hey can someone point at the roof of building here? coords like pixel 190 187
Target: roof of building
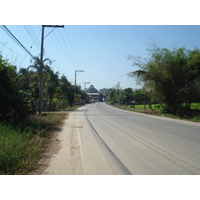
pixel 93 93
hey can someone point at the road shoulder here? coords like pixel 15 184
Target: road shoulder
pixel 63 154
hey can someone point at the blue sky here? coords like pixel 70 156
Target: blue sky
pixel 100 50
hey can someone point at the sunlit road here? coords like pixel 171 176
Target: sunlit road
pixel 121 142
pixel 100 139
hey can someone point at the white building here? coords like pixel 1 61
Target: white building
pixel 94 96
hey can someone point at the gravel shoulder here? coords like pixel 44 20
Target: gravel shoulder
pixel 62 157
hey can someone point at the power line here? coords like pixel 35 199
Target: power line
pixel 64 51
pixel 12 51
pixel 72 47
pixel 23 58
pixel 32 35
pixel 74 63
pixel 35 36
pixel 63 71
pixel 68 48
pixel 35 39
pixel 16 40
pixel 75 54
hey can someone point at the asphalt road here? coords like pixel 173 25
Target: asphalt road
pixel 104 140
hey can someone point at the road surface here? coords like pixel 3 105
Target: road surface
pixel 99 139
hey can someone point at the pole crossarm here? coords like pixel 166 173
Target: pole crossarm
pixel 79 70
pixel 54 26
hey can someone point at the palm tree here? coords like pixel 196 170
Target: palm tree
pixel 50 86
pixel 44 67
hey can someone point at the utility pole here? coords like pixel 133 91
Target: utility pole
pixel 41 65
pixel 85 84
pixel 84 88
pixel 75 84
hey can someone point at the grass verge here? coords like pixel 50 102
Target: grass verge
pixel 156 111
pixel 22 142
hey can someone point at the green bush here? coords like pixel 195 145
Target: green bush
pixel 13 149
pixel 20 146
pixel 23 141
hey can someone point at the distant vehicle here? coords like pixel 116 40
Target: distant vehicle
pixel 92 101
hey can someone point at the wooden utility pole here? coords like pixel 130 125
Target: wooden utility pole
pixel 84 89
pixel 75 85
pixel 41 65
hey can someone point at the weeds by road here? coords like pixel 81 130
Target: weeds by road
pixel 22 142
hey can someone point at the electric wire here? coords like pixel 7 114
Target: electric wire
pixel 23 58
pixel 33 37
pixel 16 40
pixel 75 53
pixel 75 64
pixel 64 51
pixel 37 42
pixel 13 51
pixel 68 48
pixel 64 72
pixel 72 48
pixel 30 36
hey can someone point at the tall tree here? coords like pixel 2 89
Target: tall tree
pixel 50 86
pixel 27 85
pixel 65 90
pixel 45 70
pixel 11 101
pixel 172 77
pixel 45 67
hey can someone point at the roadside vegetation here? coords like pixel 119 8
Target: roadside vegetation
pixel 19 90
pixel 156 109
pixel 22 142
pixel 23 134
pixel 170 82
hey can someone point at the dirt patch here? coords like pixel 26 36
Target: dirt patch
pixel 52 148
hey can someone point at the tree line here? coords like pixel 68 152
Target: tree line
pixel 168 77
pixel 127 96
pixel 19 90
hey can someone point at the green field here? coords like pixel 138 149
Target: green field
pixel 158 106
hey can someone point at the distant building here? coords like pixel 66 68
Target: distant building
pixel 94 97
